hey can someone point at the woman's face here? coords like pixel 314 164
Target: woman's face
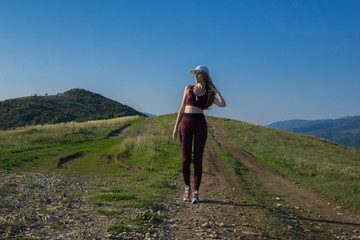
pixel 199 78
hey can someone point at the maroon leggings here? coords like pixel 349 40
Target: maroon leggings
pixel 193 126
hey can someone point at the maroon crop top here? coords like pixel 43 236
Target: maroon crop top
pixel 196 101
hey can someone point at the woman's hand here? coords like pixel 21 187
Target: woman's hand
pixel 175 133
pixel 213 89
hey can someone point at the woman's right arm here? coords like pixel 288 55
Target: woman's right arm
pixel 181 112
pixel 218 99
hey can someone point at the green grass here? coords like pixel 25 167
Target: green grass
pixel 7 188
pixel 25 147
pixel 140 164
pixel 324 167
pixel 14 227
pixel 137 168
pixel 113 197
pixel 118 228
pixel 147 217
pixel 35 137
pixel 110 213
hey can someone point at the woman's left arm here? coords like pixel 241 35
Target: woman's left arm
pixel 218 99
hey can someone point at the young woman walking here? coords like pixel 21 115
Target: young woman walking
pixel 196 99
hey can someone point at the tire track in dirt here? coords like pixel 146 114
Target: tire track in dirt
pixel 221 214
pixel 319 210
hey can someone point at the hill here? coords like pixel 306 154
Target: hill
pixel 130 186
pixel 345 131
pixel 73 105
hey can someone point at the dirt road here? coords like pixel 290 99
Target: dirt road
pixel 221 213
pixel 224 214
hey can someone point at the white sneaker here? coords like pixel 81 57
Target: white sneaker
pixel 195 198
pixel 187 194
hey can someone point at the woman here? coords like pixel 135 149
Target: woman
pixel 196 99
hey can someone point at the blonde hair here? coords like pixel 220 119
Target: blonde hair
pixel 208 83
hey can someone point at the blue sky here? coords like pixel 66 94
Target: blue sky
pixel 271 60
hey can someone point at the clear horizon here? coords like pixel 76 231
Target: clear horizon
pixel 271 60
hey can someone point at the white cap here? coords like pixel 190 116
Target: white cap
pixel 200 68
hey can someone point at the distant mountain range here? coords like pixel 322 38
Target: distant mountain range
pixel 149 114
pixel 345 131
pixel 74 105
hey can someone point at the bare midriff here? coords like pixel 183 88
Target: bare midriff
pixel 193 109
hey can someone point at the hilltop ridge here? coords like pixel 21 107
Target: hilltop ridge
pixel 73 105
pixel 345 130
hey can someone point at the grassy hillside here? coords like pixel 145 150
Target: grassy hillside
pixel 324 167
pixel 74 105
pixel 142 162
pixel 41 148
